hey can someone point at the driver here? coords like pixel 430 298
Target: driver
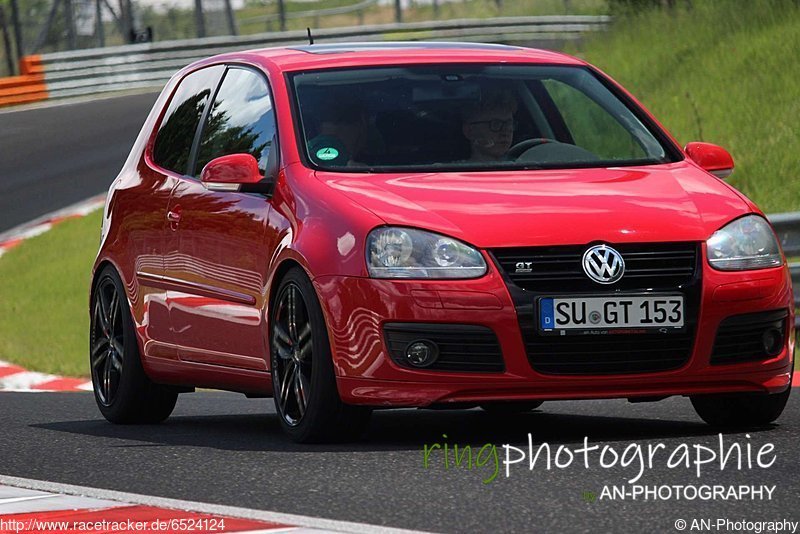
pixel 343 132
pixel 489 126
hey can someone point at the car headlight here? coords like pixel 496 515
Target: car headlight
pixel 746 243
pixel 394 252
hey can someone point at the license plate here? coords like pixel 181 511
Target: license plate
pixel 657 312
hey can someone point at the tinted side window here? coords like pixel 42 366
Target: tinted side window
pixel 241 120
pixel 176 133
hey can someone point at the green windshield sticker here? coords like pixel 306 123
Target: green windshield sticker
pixel 327 153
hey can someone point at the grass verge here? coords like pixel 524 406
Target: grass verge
pixel 44 295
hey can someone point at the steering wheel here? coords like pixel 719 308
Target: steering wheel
pixel 517 150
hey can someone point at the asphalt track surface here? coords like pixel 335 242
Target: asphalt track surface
pixel 51 157
pixel 222 448
pixel 225 449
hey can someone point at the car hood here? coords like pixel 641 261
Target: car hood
pixel 671 202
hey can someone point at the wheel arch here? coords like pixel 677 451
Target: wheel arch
pixel 284 266
pixel 99 268
pixel 280 271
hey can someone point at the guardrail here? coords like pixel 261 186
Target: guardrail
pixel 787 226
pixel 97 70
pixel 29 86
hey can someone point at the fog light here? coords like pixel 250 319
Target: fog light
pixel 772 340
pixel 421 353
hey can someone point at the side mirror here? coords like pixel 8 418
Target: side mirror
pixel 712 158
pixel 235 172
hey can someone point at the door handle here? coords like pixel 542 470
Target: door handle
pixel 174 215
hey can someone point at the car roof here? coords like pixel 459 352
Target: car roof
pixel 340 48
pixel 348 54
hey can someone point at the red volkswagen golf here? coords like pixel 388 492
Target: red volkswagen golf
pixel 356 226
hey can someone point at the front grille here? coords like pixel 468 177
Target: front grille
pixel 557 272
pixel 651 265
pixel 740 338
pixel 461 347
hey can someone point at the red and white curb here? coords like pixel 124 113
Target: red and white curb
pixel 13 377
pixel 11 238
pixel 28 505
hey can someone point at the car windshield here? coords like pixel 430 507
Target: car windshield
pixel 478 117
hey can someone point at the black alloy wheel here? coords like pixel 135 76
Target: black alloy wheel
pixel 123 391
pixel 304 384
pixel 107 338
pixel 294 350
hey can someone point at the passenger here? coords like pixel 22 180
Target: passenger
pixel 489 126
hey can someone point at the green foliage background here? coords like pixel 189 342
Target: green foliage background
pixel 722 71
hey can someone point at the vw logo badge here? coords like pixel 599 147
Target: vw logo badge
pixel 603 264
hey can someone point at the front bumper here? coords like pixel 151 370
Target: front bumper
pixel 357 309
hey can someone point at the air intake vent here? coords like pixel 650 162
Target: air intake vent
pixel 459 347
pixel 750 337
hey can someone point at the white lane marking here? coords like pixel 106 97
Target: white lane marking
pixel 7 492
pixel 79 208
pixel 27 233
pixel 216 509
pixel 23 499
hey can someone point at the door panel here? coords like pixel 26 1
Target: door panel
pixel 217 276
pixel 218 266
pixel 145 205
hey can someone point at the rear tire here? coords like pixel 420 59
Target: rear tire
pixel 510 408
pixel 306 399
pixel 122 390
pixel 740 410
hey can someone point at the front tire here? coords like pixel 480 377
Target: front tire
pixel 306 399
pixel 122 390
pixel 740 410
